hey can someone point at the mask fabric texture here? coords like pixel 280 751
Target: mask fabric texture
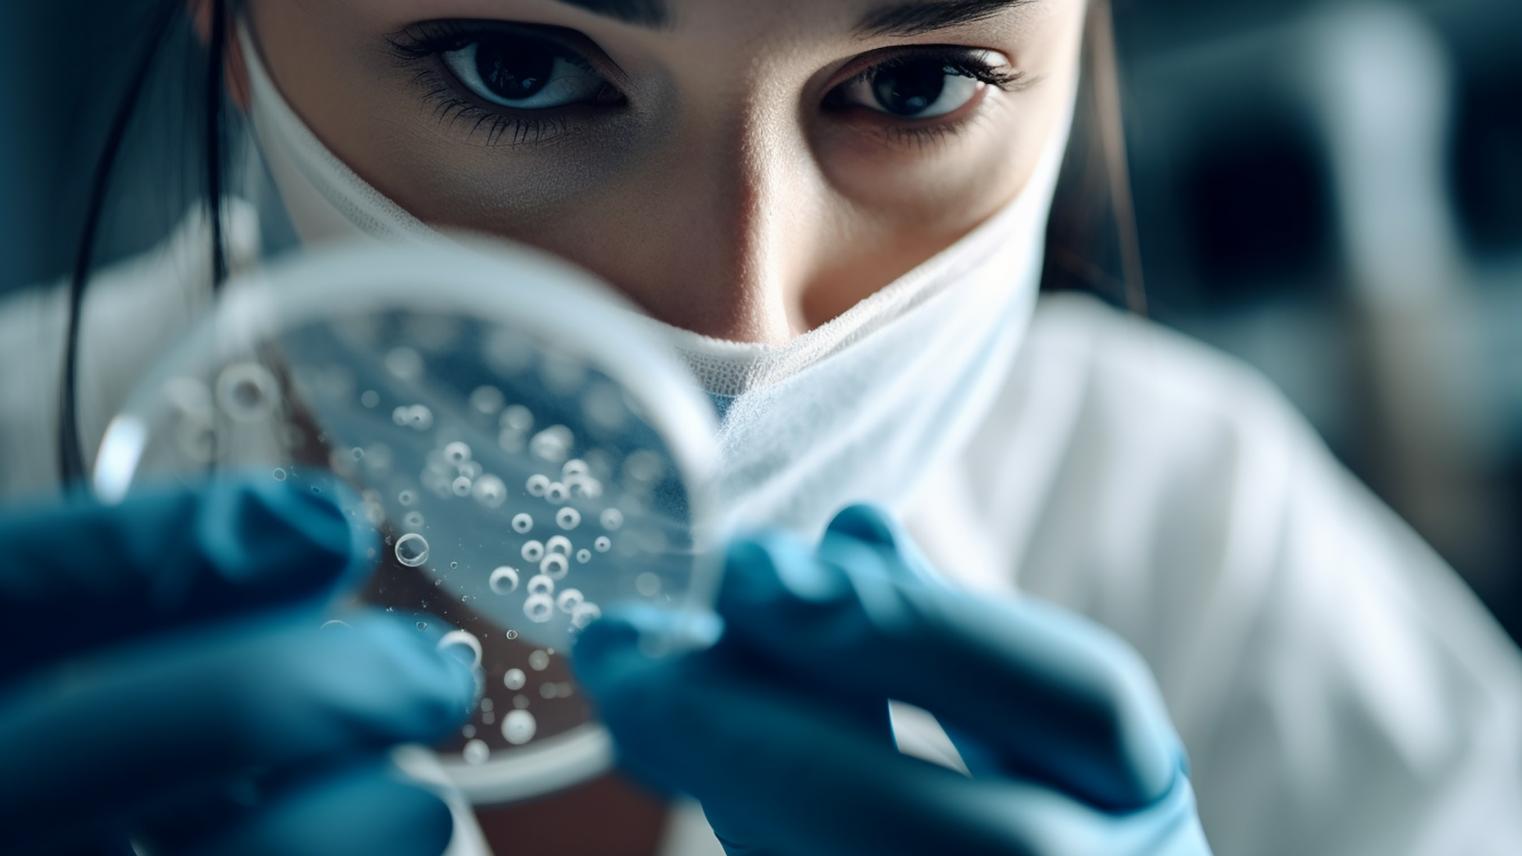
pixel 859 409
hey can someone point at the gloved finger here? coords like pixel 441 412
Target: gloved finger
pixel 1053 696
pixel 871 525
pixel 363 809
pixel 780 771
pixel 762 759
pixel 900 557
pixel 137 728
pixel 80 574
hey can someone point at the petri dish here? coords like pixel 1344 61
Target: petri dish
pixel 524 448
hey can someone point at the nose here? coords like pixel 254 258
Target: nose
pixel 734 224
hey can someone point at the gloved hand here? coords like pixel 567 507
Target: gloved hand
pixel 778 727
pixel 165 678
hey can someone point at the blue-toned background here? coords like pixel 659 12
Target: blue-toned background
pixel 1332 190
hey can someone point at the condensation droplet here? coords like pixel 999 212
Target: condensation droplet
pixel 532 551
pixel 585 486
pixel 490 491
pixel 583 555
pixel 539 608
pixel 612 519
pixel 413 520
pixel 504 580
pixel 552 444
pixel 644 466
pixel 456 453
pixel 518 727
pixel 568 518
pixel 404 363
pixel 647 584
pixel 603 544
pixel 476 752
pixel 569 600
pixel 412 549
pixel 538 484
pixel 557 493
pixel 585 614
pixel 463 639
pixel 406 497
pixel 541 585
pixel 523 524
pixel 486 400
pixel 539 660
pixel 558 544
pixel 516 418
pixel 554 566
pixel 460 486
pixel 514 679
pixel 280 474
pixel 247 392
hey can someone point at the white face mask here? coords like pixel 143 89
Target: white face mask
pixel 859 409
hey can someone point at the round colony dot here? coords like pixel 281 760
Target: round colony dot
pixel 554 566
pixel 540 585
pixel 518 727
pixel 538 608
pixel 504 580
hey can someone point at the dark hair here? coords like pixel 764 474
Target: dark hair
pixel 161 21
pixel 1092 227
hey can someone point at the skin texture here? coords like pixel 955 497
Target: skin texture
pixel 723 197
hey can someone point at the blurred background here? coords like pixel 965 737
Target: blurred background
pixel 1331 190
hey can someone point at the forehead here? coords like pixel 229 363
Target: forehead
pixel 862 19
pixel 867 17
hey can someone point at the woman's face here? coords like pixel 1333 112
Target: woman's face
pixel 739 168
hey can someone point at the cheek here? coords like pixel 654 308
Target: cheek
pixel 957 175
pixel 510 193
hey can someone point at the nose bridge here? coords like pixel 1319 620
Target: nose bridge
pixel 750 198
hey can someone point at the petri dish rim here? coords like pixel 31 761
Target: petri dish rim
pixel 489 278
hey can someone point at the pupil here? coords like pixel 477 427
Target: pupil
pixel 910 89
pixel 514 69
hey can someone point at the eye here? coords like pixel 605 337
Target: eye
pixel 525 73
pixel 924 86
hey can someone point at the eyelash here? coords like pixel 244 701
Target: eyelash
pixel 422 45
pixel 927 133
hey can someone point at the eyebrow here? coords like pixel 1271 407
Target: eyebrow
pixel 652 14
pixel 899 20
pixel 904 20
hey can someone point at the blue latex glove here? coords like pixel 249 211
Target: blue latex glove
pixel 165 677
pixel 777 728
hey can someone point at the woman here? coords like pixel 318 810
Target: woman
pixel 835 210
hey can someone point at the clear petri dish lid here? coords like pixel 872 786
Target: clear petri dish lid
pixel 525 450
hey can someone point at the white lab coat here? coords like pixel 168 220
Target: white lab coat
pixel 1338 688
